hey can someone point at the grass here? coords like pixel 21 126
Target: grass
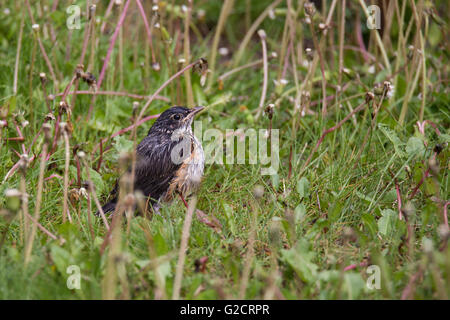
pixel 363 181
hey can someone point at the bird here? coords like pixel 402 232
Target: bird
pixel 169 160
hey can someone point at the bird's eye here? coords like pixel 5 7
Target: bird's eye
pixel 176 117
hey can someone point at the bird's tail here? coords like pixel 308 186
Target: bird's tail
pixel 108 208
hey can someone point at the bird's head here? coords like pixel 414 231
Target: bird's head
pixel 175 118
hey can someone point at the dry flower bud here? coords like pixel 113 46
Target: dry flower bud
pixel 156 66
pixel 258 191
pixel 369 96
pixel 223 51
pixel 310 8
pixel 23 163
pixel 261 33
pixel 49 117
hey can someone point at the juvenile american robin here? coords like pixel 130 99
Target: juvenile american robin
pixel 169 160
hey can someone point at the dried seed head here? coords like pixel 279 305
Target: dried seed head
pixel 156 66
pixel 201 67
pixel 224 51
pixel 43 77
pixel 83 192
pixel 258 191
pixel 49 117
pixel 81 154
pixel 135 107
pixel 410 53
pixel 369 96
pixel 79 70
pixel 389 89
pixel 310 8
pixel 90 79
pixel 129 200
pixel 262 34
pixel 23 163
pixel 201 14
pixel 269 110
pixel 74 196
pixel 92 9
pixel 63 107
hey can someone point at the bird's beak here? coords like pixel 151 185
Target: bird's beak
pixel 197 110
pixel 194 111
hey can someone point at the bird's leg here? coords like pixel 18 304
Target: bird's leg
pixel 182 199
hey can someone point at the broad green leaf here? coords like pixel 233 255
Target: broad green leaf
pixel 299 213
pixel 300 260
pixel 415 146
pixel 303 187
pixel 387 222
pixel 370 223
pixel 391 135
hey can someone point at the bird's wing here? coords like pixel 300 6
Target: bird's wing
pixel 154 167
